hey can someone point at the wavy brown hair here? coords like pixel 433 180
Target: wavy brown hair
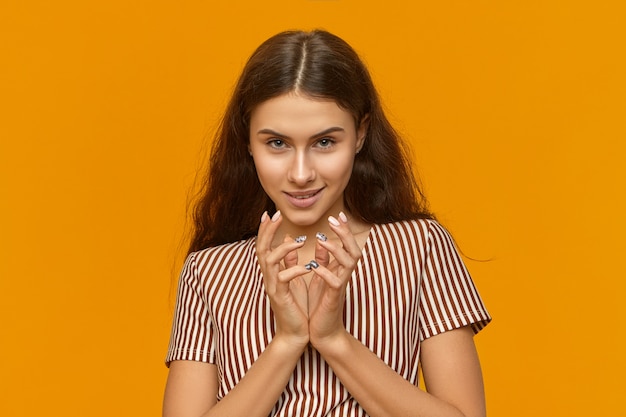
pixel 382 187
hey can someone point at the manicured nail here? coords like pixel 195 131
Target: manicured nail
pixel 300 239
pixel 343 217
pixel 333 221
pixel 276 216
pixel 307 266
pixel 264 217
pixel 313 264
pixel 321 236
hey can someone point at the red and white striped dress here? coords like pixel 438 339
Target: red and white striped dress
pixel 410 284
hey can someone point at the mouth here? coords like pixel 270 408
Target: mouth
pixel 303 199
pixel 301 195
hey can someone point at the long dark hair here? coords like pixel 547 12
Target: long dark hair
pixel 382 187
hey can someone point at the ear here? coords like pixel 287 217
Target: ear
pixel 362 132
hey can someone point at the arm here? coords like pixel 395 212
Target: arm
pixel 191 389
pixel 449 360
pixel 451 372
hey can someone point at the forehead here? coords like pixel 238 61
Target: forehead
pixel 294 112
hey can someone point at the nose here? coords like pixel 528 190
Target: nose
pixel 301 171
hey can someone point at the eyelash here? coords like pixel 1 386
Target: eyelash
pixel 276 143
pixel 329 142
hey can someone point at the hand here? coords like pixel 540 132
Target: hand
pixel 284 283
pixel 327 290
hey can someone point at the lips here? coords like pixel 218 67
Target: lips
pixel 303 199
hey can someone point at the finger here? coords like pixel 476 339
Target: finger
pixel 282 251
pixel 342 230
pixel 291 259
pixel 344 259
pixel 267 231
pixel 332 280
pixel 340 254
pixel 322 256
pixel 281 277
pixel 286 277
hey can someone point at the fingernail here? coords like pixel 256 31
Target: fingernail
pixel 308 266
pixel 343 217
pixel 321 236
pixel 333 221
pixel 264 216
pixel 276 216
pixel 313 264
pixel 300 239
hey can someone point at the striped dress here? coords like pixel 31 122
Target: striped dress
pixel 410 284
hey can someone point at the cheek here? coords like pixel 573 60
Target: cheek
pixel 336 176
pixel 268 172
pixel 340 168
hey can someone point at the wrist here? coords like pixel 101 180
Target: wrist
pixel 333 345
pixel 289 344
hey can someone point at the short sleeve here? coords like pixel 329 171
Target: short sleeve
pixel 192 328
pixel 448 297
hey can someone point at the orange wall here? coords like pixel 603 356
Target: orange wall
pixel 516 111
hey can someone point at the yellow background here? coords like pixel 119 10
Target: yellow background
pixel 516 113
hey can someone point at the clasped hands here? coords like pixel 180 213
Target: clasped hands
pixel 307 312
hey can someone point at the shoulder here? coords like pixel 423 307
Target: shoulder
pixel 206 261
pixel 240 246
pixel 414 235
pixel 401 237
pixel 420 228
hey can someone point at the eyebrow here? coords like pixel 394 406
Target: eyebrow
pixel 317 135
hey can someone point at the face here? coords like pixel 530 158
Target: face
pixel 303 150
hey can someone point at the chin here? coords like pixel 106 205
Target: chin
pixel 302 219
pixel 304 222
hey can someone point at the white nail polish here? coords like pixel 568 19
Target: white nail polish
pixel 276 216
pixel 343 217
pixel 321 236
pixel 333 221
pixel 300 239
pixel 264 216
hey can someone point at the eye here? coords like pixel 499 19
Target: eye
pixel 276 143
pixel 325 143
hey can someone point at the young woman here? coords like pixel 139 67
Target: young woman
pixel 317 282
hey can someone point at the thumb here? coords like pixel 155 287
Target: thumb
pixel 291 259
pixel 322 256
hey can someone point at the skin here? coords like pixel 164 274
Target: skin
pixel 305 147
pixel 301 147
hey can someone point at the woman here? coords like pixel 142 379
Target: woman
pixel 317 281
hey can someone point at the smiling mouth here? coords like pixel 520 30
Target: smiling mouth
pixel 304 199
pixel 304 194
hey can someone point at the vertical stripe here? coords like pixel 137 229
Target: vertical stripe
pixel 410 284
